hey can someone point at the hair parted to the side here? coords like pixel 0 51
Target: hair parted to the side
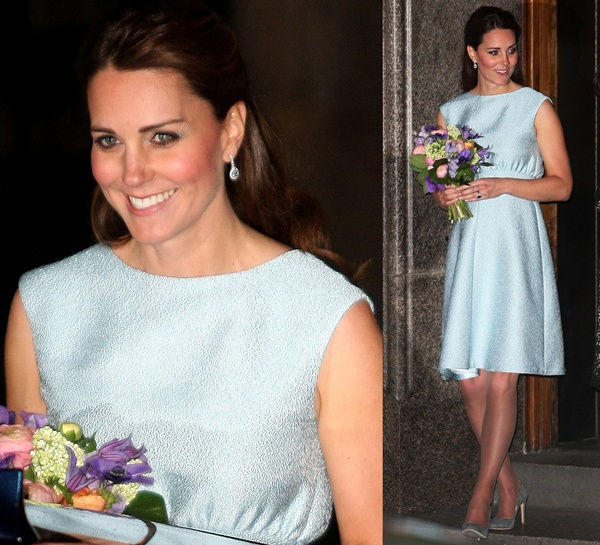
pixel 188 37
pixel 481 21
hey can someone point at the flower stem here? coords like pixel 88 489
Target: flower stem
pixel 459 211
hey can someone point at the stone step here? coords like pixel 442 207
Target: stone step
pixel 568 476
pixel 543 526
pixel 563 506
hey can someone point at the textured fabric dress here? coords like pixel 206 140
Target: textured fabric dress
pixel 215 376
pixel 500 308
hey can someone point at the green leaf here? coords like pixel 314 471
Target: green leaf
pixel 148 505
pixel 417 161
pixel 88 444
pixel 421 180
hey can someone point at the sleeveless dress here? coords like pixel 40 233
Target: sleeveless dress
pixel 215 376
pixel 500 308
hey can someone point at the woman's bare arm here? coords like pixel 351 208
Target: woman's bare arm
pixel 22 377
pixel 349 404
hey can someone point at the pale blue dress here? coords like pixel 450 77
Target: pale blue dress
pixel 500 308
pixel 214 375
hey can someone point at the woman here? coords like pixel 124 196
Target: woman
pixel 203 323
pixel 501 315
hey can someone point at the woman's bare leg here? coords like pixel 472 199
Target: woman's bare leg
pixel 491 404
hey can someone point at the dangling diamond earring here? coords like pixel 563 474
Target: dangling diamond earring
pixel 234 172
pixel 474 65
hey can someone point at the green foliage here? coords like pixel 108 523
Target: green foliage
pixel 148 505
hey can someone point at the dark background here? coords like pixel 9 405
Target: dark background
pixel 577 218
pixel 315 68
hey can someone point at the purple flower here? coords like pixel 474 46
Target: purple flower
pixel 110 462
pixel 484 153
pixel 7 462
pixel 34 420
pixel 76 477
pixel 117 472
pixel 467 132
pixel 119 505
pixel 452 167
pixel 432 186
pixel 426 130
pixel 6 416
pixel 121 450
pixel 464 157
pixel 451 148
pixel 424 135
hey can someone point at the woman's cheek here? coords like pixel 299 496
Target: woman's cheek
pixel 102 169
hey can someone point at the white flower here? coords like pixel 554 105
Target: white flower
pixel 50 459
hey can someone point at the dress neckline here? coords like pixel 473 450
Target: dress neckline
pixel 497 94
pixel 115 258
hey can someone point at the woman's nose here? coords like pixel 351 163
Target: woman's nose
pixel 135 167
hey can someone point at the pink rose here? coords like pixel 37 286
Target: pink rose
pixel 16 442
pixel 460 145
pixel 429 161
pixel 441 171
pixel 419 150
pixel 40 492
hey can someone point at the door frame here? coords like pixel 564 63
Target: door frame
pixel 540 68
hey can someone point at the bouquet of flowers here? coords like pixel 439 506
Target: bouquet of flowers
pixel 62 466
pixel 448 156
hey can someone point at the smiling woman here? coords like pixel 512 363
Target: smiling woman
pixel 158 154
pixel 211 322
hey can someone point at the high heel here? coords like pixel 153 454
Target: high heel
pixel 501 523
pixel 470 529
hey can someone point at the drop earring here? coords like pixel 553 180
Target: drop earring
pixel 234 172
pixel 474 65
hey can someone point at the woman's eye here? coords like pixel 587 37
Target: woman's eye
pixel 165 138
pixel 105 141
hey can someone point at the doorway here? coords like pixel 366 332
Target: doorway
pixel 577 219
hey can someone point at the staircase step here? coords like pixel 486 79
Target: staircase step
pixel 543 526
pixel 568 476
pixel 563 506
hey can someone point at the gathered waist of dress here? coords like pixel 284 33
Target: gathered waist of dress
pixel 494 172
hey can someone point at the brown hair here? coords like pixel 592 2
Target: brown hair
pixel 483 20
pixel 186 36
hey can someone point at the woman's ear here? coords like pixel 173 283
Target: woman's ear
pixel 472 53
pixel 234 128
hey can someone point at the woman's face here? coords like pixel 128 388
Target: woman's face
pixel 158 153
pixel 496 57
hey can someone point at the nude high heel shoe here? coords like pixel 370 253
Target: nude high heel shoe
pixel 502 523
pixel 470 529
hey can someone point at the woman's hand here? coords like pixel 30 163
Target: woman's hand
pixel 481 189
pixel 478 190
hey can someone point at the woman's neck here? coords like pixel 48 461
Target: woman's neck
pixel 229 249
pixel 485 89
